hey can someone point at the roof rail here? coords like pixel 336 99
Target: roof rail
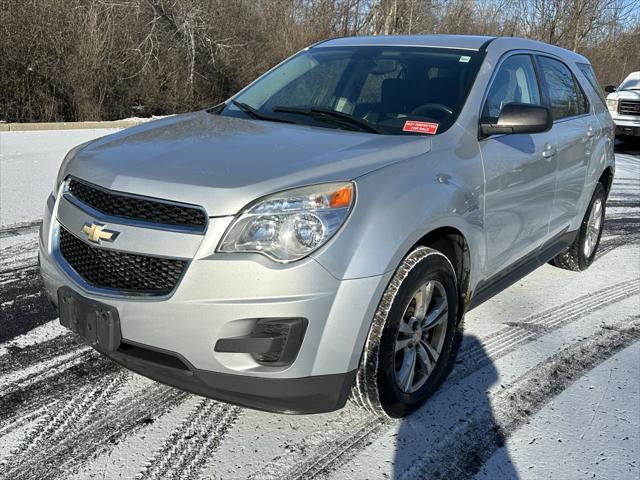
pixel 484 46
pixel 327 40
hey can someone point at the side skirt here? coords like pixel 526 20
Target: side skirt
pixel 523 267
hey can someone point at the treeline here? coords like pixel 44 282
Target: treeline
pixel 106 59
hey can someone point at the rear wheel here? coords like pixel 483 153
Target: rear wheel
pixel 413 339
pixel 580 254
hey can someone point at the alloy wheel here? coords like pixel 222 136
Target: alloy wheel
pixel 594 224
pixel 420 336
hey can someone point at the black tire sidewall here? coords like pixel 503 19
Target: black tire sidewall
pixel 396 403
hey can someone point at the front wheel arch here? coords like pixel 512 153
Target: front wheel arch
pixel 452 243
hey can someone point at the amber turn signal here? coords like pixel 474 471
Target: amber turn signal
pixel 341 197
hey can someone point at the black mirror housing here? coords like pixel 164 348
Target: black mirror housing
pixel 519 118
pixel 610 88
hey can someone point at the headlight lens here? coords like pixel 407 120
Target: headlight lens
pixel 612 104
pixel 289 225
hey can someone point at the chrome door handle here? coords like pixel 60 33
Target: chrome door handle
pixel 591 131
pixel 549 151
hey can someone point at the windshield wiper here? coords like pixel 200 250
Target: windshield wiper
pixel 253 113
pixel 327 113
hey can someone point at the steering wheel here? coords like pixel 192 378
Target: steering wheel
pixel 425 109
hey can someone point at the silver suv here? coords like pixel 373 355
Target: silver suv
pixel 322 233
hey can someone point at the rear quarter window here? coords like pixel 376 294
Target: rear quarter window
pixel 587 71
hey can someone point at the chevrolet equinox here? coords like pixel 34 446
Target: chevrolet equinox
pixel 321 234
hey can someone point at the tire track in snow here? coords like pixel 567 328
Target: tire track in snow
pixel 623 203
pixel 39 372
pixel 465 449
pixel 69 414
pixel 354 434
pixel 621 226
pixel 20 405
pixel 18 229
pixel 611 243
pixel 191 445
pixel 516 334
pixel 19 358
pixel 22 420
pixel 348 437
pixel 23 304
pixel 104 428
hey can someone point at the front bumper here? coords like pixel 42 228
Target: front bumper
pixel 627 131
pixel 315 394
pixel 223 296
pixel 627 126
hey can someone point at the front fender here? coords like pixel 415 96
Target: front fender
pixel 399 204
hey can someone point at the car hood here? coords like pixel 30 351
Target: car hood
pixel 223 163
pixel 624 95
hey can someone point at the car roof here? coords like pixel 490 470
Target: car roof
pixel 469 42
pixel 465 42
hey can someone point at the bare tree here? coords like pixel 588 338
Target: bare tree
pixel 105 59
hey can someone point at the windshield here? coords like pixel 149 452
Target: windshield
pixel 390 90
pixel 632 82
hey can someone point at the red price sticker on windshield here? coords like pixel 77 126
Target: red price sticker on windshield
pixel 420 127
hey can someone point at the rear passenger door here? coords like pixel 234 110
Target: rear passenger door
pixel 519 170
pixel 575 129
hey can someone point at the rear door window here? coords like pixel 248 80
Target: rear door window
pixel 515 82
pixel 566 98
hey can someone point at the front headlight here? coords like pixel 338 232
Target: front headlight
pixel 612 104
pixel 289 225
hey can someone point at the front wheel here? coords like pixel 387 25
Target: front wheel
pixel 580 254
pixel 413 339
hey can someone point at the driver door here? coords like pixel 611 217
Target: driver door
pixel 520 171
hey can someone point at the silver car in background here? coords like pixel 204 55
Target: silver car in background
pixel 321 234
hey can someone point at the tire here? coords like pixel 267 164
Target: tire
pixel 580 254
pixel 382 370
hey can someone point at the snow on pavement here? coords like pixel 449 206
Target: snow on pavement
pixel 588 431
pixel 29 163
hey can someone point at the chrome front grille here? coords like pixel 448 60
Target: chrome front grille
pixel 125 273
pixel 629 107
pixel 141 209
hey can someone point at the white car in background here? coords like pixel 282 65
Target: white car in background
pixel 623 103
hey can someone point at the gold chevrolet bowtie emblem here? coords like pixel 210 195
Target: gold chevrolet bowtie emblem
pixel 96 232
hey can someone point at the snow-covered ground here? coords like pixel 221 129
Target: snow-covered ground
pixel 547 384
pixel 29 163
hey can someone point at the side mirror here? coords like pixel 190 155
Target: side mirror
pixel 610 89
pixel 519 118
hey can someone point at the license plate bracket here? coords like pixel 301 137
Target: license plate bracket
pixel 95 322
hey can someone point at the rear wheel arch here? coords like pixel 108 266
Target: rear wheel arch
pixel 606 179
